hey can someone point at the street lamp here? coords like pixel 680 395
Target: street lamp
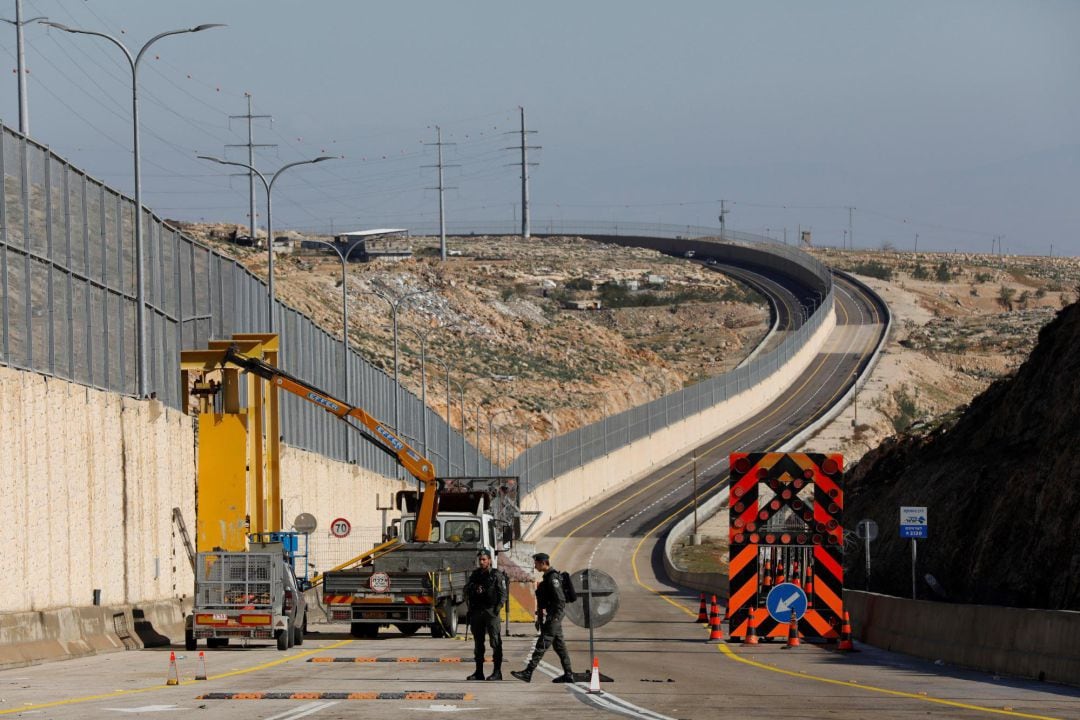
pixel 491 419
pixel 269 185
pixel 344 257
pixel 140 284
pixel 449 460
pixel 20 61
pixel 394 305
pixel 423 374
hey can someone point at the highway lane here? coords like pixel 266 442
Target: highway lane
pixel 660 657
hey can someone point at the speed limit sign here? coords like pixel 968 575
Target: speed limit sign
pixel 340 528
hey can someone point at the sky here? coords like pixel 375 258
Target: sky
pixel 953 120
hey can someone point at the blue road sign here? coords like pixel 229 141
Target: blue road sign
pixel 913 523
pixel 784 599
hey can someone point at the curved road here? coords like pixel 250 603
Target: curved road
pixel 659 655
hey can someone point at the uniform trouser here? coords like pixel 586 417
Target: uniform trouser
pixel 551 635
pixel 486 623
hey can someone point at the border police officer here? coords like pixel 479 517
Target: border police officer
pixel 486 596
pixel 550 604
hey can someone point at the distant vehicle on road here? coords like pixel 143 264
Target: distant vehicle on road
pixel 689 253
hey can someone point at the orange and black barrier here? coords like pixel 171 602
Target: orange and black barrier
pixel 786 525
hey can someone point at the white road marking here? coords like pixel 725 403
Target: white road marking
pixel 148 708
pixel 605 700
pixel 303 711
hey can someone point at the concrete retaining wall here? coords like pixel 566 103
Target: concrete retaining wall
pixel 89 481
pixel 570 491
pixel 1041 644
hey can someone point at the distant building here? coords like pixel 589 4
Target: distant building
pixel 586 304
pixel 631 285
pixel 656 280
pixel 376 243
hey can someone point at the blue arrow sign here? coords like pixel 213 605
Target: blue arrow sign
pixel 784 599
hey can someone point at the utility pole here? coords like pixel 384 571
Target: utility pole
pixel 251 145
pixel 442 207
pixel 524 148
pixel 916 243
pixel 723 214
pixel 18 22
pixel 851 226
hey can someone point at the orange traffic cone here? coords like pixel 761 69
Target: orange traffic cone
pixel 174 675
pixel 779 573
pixel 702 616
pixel 793 632
pixel 845 634
pixel 767 579
pixel 751 629
pixel 809 588
pixel 714 622
pixel 594 680
pixel 200 674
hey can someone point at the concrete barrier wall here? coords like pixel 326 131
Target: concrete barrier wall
pixel 89 480
pixel 1041 644
pixel 570 491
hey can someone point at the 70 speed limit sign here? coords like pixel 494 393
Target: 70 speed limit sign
pixel 340 528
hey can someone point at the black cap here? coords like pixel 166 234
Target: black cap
pixel 482 552
pixel 541 557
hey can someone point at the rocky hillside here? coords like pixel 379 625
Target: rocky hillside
pixel 1001 482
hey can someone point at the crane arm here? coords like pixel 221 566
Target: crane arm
pixel 381 436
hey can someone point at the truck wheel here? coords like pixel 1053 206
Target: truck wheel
pixel 298 632
pixel 282 639
pixel 408 629
pixel 190 643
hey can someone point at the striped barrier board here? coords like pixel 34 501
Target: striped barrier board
pixel 786 526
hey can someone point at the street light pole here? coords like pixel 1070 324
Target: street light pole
pixel 140 281
pixel 20 60
pixel 394 305
pixel 344 257
pixel 449 461
pixel 269 185
pixel 423 374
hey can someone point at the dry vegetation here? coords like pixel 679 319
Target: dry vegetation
pixel 665 322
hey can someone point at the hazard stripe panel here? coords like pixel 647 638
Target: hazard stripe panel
pixel 786 525
pixel 406 695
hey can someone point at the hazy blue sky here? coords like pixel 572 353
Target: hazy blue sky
pixel 956 120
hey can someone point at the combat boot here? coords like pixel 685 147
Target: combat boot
pixel 566 677
pixel 523 675
pixel 496 673
pixel 479 674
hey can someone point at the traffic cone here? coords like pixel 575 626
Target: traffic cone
pixel 714 622
pixel 594 681
pixel 174 675
pixel 751 629
pixel 767 580
pixel 702 616
pixel 793 632
pixel 845 634
pixel 200 674
pixel 809 588
pixel 779 573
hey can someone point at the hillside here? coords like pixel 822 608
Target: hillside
pixel 1001 484
pixel 509 336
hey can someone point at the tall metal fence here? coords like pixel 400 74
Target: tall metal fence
pixel 68 309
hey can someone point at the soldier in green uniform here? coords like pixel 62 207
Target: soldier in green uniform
pixel 550 604
pixel 486 597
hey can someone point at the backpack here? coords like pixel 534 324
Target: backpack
pixel 568 587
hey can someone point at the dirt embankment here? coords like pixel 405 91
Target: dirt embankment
pixel 503 314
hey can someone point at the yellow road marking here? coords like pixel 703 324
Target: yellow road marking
pixel 135 691
pixel 728 652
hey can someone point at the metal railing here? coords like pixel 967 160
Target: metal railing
pixel 67 309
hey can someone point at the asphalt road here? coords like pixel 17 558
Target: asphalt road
pixel 659 658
